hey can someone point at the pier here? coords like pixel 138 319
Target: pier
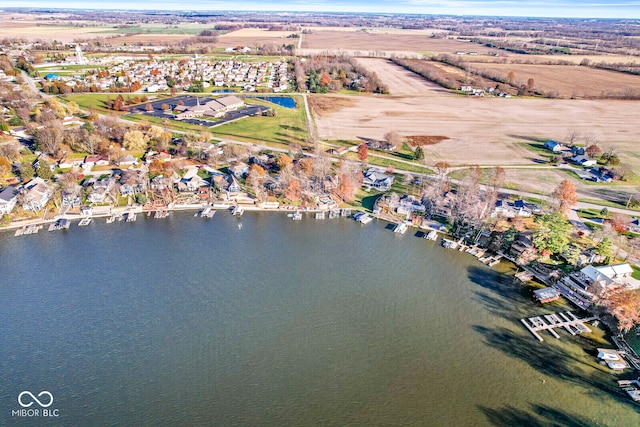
pixel 549 322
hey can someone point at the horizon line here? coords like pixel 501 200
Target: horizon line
pixel 311 12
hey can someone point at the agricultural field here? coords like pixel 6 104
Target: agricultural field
pixel 151 39
pixel 392 41
pixel 486 131
pixel 398 80
pixel 37 30
pixel 254 36
pixel 567 81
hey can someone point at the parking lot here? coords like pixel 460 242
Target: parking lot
pixel 190 101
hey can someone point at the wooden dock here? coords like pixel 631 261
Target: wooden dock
pixel 549 322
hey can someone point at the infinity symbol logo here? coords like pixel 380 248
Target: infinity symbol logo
pixel 35 399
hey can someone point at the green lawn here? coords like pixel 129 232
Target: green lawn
pixel 95 101
pixel 288 127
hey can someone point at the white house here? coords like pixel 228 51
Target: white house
pixel 8 198
pixel 36 194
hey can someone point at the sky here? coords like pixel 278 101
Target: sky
pixel 552 8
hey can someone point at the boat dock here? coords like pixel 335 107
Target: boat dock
pixel 61 224
pixel 432 235
pixel 84 222
pixel 237 211
pixel 161 214
pixel 319 215
pixel 29 229
pixel 401 228
pixel 549 322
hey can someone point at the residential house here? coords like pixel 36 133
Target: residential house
pixel 96 161
pixel 239 170
pixel 35 195
pixel 8 199
pixel 408 205
pixel 72 197
pixel 101 189
pixel 583 161
pixel 377 179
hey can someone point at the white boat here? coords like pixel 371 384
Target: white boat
pixel 131 216
pixel 401 228
pixel 297 216
pixel 366 219
pixel 237 211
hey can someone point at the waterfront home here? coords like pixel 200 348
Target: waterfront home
pixel 72 196
pixel 101 189
pixel 35 195
pixel 377 179
pixel 408 204
pixel 8 199
pixel 583 287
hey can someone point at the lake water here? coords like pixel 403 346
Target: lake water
pixel 188 321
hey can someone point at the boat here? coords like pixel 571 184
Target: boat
pixel 84 222
pixel 401 228
pixel 131 216
pixel 449 244
pixel 366 219
pixel 111 219
pixel 296 216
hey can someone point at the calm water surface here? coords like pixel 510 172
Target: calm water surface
pixel 188 321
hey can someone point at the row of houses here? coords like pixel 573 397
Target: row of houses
pixel 159 75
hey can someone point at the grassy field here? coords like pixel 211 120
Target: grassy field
pixel 288 127
pixel 95 101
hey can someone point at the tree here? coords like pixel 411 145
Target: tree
pixel 293 190
pixel 393 138
pixel 5 168
pixel 325 79
pixel 26 171
pixel 73 108
pixel 619 223
pixel 418 154
pixel 572 254
pixel 363 152
pixel 565 196
pixel 283 161
pixel 624 305
pixel 552 234
pixel 593 151
pixel 604 247
pixel 44 170
pixel 442 168
pixel 48 138
pixel 134 140
pixel 68 180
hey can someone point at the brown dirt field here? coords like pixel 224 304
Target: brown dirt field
pixel 568 81
pixel 252 36
pixel 398 80
pixel 485 131
pixel 387 41
pixel 323 105
pixel 31 31
pixel 422 140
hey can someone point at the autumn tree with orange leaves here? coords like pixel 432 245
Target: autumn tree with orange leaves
pixel 624 305
pixel 363 152
pixel 565 196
